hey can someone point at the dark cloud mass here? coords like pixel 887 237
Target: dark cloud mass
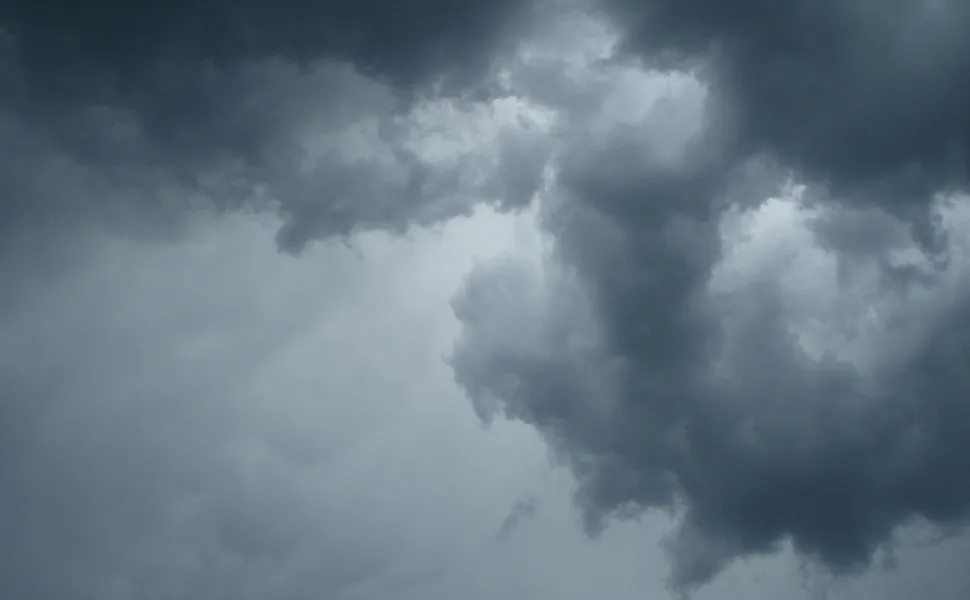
pixel 754 312
pixel 135 113
pixel 63 42
pixel 867 98
pixel 662 390
pixel 137 395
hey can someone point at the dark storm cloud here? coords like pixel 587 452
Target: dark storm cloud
pixel 865 98
pixel 146 447
pixel 64 44
pixel 660 391
pixel 133 114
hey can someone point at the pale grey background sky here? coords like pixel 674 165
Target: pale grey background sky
pixel 460 299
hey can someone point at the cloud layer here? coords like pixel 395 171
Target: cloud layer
pixel 211 420
pixel 133 117
pixel 752 310
pixel 782 371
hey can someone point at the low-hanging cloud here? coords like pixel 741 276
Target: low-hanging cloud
pixel 134 117
pixel 781 371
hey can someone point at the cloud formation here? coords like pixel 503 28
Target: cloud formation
pixel 864 100
pixel 752 313
pixel 771 370
pixel 133 117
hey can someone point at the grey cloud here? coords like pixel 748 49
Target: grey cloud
pixel 63 44
pixel 146 450
pixel 866 99
pixel 660 391
pixel 134 117
pixel 520 511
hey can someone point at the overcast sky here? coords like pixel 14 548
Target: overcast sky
pixel 439 299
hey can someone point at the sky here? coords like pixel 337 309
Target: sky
pixel 523 298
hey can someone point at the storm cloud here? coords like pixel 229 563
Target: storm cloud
pixel 850 95
pixel 753 309
pixel 136 116
pixel 745 307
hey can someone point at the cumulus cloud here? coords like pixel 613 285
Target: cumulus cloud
pixel 861 96
pixel 783 370
pixel 751 311
pixel 134 117
pixel 185 413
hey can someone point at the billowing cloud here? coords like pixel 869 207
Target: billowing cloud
pixel 783 370
pixel 751 311
pixel 865 98
pixel 133 117
pixel 125 45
